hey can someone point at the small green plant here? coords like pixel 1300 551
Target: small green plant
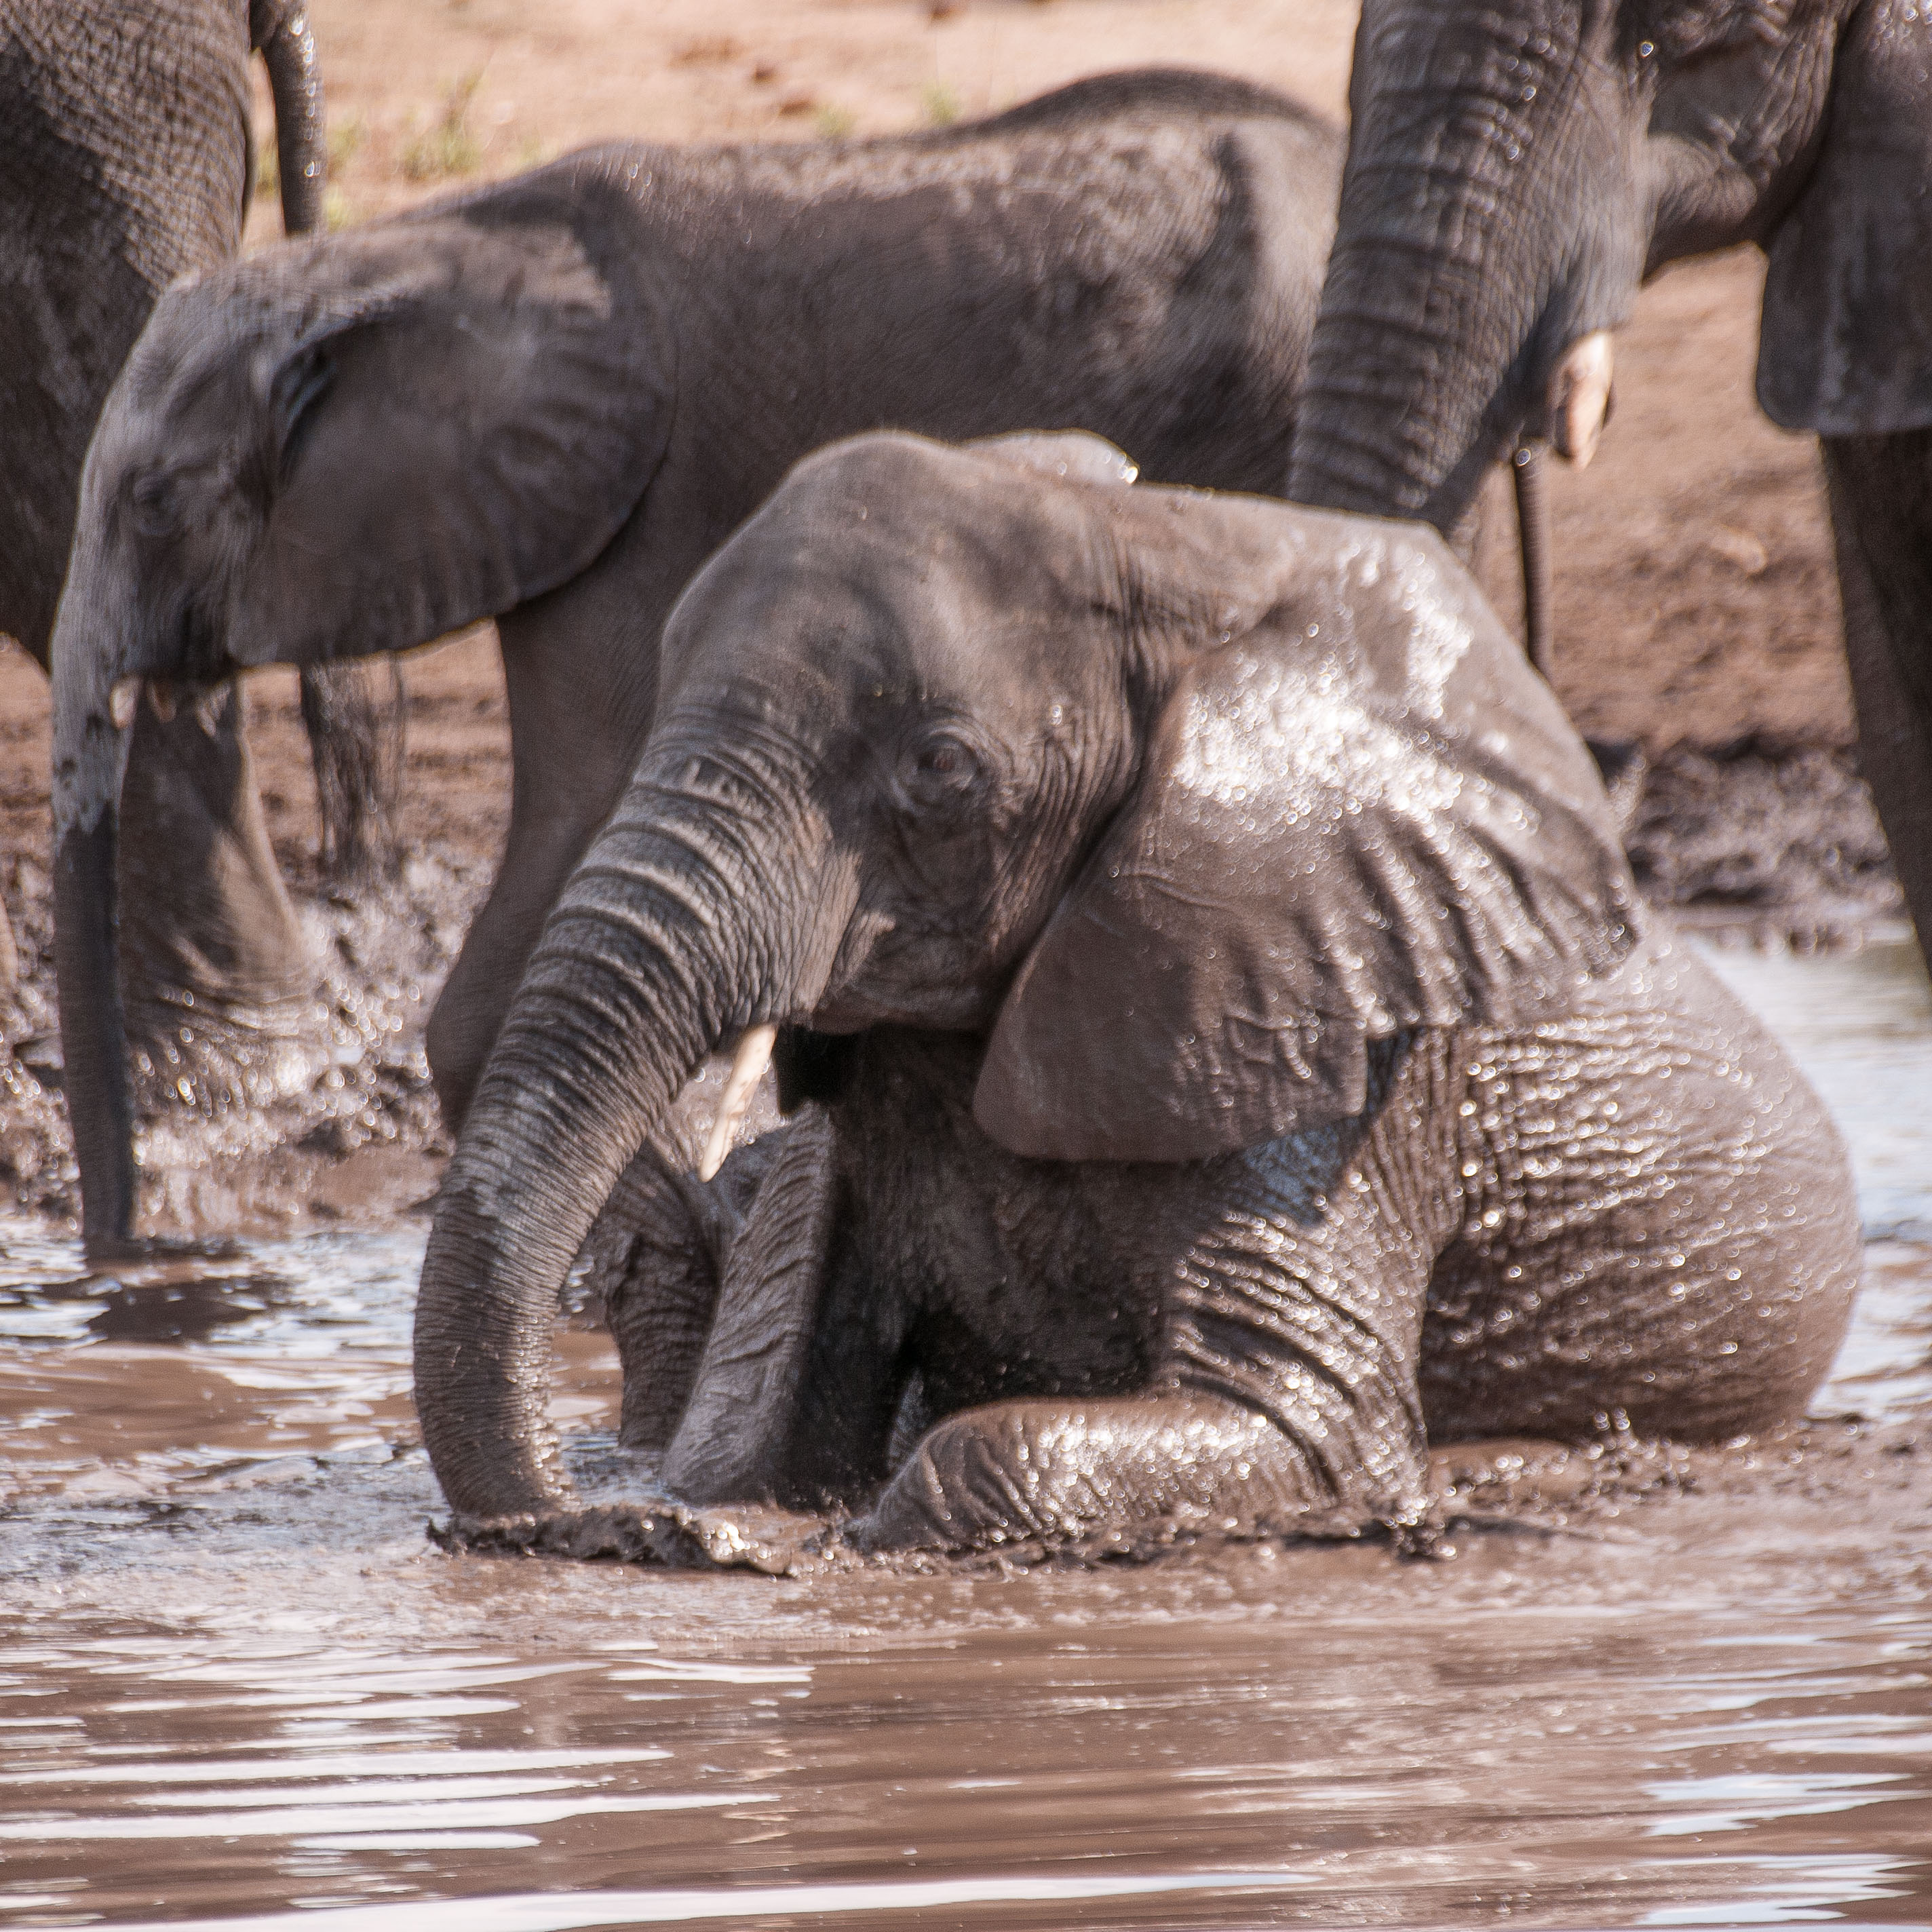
pixel 533 152
pixel 267 168
pixel 941 105
pixel 834 124
pixel 450 146
pixel 345 141
pixel 337 210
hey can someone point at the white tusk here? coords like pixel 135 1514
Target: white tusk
pixel 753 1055
pixel 121 701
pixel 1579 396
pixel 161 699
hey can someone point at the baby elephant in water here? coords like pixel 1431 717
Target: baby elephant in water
pixel 1225 1049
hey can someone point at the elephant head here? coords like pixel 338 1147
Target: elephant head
pixel 333 449
pixel 1516 168
pixel 1176 801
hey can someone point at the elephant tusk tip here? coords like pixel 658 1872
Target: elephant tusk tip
pixel 752 1055
pixel 1578 396
pixel 122 700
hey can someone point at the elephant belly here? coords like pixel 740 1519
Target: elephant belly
pixel 1659 1221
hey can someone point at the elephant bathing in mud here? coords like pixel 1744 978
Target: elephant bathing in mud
pixel 551 400
pixel 125 161
pixel 1517 167
pixel 1228 1047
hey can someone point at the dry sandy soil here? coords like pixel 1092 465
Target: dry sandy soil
pixel 1695 601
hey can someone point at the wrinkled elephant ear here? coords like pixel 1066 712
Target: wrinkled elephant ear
pixel 465 422
pixel 1364 814
pixel 1845 347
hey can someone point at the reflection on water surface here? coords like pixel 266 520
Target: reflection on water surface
pixel 238 1687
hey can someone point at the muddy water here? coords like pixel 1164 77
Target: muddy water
pixel 238 1686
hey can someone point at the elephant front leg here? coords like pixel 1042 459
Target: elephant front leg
pixel 1881 496
pixel 1057 1472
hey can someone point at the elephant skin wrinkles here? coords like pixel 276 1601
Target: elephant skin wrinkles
pixel 1523 1234
pixel 1550 1179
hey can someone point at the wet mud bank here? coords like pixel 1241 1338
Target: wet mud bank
pixel 319 1108
pixel 1781 844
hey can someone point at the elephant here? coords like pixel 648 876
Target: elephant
pixel 1516 168
pixel 550 400
pixel 126 161
pixel 1226 1046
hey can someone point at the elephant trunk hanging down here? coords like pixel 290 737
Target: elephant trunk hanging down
pixel 1227 1045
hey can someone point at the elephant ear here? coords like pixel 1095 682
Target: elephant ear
pixel 1845 347
pixel 1074 454
pixel 463 421
pixel 1364 814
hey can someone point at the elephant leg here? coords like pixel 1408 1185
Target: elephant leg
pixel 656 1259
pixel 355 740
pixel 570 757
pixel 1286 1397
pixel 210 945
pixel 654 1256
pixel 1881 494
pixel 1051 1471
pixel 736 1441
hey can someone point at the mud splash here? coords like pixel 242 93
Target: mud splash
pixel 246 1119
pixel 238 1686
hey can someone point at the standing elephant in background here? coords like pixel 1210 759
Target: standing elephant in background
pixel 126 161
pixel 1239 1052
pixel 1516 168
pixel 551 400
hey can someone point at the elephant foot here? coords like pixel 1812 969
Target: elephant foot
pixel 1112 1476
pixel 667 1536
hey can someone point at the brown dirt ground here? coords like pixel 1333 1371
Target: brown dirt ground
pixel 1695 601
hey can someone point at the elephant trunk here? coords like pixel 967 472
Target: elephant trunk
pixel 92 721
pixel 690 919
pixel 1474 243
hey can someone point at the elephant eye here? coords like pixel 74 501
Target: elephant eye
pixel 152 502
pixel 942 768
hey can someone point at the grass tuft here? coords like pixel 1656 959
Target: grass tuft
pixel 450 146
